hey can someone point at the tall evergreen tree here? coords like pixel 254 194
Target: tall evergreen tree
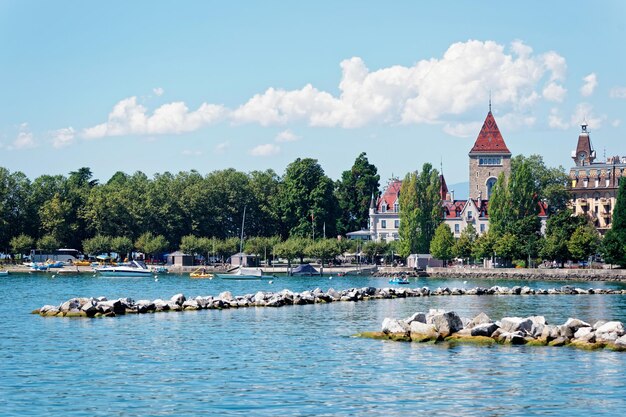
pixel 354 191
pixel 500 206
pixel 409 214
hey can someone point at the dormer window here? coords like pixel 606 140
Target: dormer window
pixel 469 215
pixel 395 207
pixel 383 208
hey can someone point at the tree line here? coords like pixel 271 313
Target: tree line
pixel 76 210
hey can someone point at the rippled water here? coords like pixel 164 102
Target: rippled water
pixel 297 360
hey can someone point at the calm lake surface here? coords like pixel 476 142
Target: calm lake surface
pixel 298 360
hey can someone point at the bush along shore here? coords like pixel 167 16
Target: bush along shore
pixel 102 307
pixel 446 326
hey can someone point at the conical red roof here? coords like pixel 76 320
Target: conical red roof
pixel 490 139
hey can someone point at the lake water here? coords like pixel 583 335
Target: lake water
pixel 298 360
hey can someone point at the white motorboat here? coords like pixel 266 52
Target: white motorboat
pixel 135 269
pixel 245 274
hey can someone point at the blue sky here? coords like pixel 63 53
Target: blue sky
pixel 168 86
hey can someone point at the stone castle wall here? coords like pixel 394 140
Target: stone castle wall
pixel 478 183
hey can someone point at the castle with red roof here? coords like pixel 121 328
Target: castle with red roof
pixel 487 159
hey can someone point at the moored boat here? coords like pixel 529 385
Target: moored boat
pixel 134 269
pixel 201 273
pixel 245 274
pixel 399 281
pixel 4 273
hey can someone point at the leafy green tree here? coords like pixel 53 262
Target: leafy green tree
pixel 21 244
pixel 507 246
pixel 583 243
pixel 191 244
pixel 373 249
pixel 307 200
pixel 464 244
pixel 559 229
pixel 484 245
pixel 287 249
pixel 16 215
pixel 612 249
pixel 442 243
pixel 324 250
pixel 409 216
pixel 48 243
pixel 353 192
pixel 500 213
pixel 618 222
pixel 97 245
pixel 151 244
pixel 550 184
pixel 122 245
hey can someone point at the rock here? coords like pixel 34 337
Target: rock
pixel 621 342
pixel 422 331
pixel 559 341
pixel 432 313
pixel 571 326
pixel 178 299
pixel 226 296
pixel 191 305
pixel 599 323
pixel 111 306
pixel 484 329
pixel 585 334
pixel 482 318
pixel 334 294
pixel 71 304
pixel 395 326
pixel 421 317
pixel 174 306
pixel 610 331
pixel 144 306
pixel 550 332
pixel 538 323
pixel 515 324
pixel 90 308
pixel 447 323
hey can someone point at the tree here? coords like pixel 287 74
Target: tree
pixel 190 244
pixel 97 245
pixel 48 243
pixel 323 249
pixel 484 245
pixel 550 184
pixel 288 250
pixel 507 246
pixel 463 246
pixel 122 245
pixel 442 243
pixel 353 192
pixel 619 212
pixel 500 214
pixel 583 243
pixel 559 229
pixel 307 201
pixel 612 249
pixel 420 210
pixel 372 249
pixel 21 244
pixel 409 216
pixel 150 244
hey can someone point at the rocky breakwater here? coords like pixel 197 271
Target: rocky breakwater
pixel 103 307
pixel 447 326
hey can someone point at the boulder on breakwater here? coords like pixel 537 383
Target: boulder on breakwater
pixel 447 326
pixel 102 307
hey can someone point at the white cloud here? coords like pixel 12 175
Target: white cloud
pixel 429 92
pixel 222 147
pixel 158 91
pixel 584 113
pixel 267 149
pixel 616 123
pixel 555 121
pixel 287 136
pixel 618 92
pixel 63 137
pixel 554 92
pixel 130 118
pixel 462 130
pixel 591 82
pixel 24 140
pixel 191 152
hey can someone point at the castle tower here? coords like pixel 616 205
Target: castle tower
pixel 584 153
pixel 487 159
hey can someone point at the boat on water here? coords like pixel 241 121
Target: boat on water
pixel 38 267
pixel 4 273
pixel 201 273
pixel 160 269
pixel 244 274
pixel 133 269
pixel 305 270
pixel 402 281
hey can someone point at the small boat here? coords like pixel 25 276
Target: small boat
pixel 399 280
pixel 244 274
pixel 341 274
pixel 4 273
pixel 38 267
pixel 135 269
pixel 305 270
pixel 160 269
pixel 201 273
pixel 82 263
pixel 55 264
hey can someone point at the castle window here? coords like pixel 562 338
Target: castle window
pixel 482 228
pixel 469 215
pixel 456 228
pixel 585 182
pixel 383 224
pixel 597 182
pixel 395 207
pixel 493 160
pixel 396 224
pixel 490 183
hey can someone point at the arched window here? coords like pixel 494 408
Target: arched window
pixel 490 183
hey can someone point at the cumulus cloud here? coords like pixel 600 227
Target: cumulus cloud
pixel 583 113
pixel 63 137
pixel 25 139
pixel 616 123
pixel 618 92
pixel 221 147
pixel 462 130
pixel 287 136
pixel 591 82
pixel 158 91
pixel 267 149
pixel 555 121
pixel 431 91
pixel 554 92
pixel 130 118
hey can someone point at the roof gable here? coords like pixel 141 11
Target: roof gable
pixel 490 139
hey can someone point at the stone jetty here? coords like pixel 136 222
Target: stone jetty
pixel 447 326
pixel 103 307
